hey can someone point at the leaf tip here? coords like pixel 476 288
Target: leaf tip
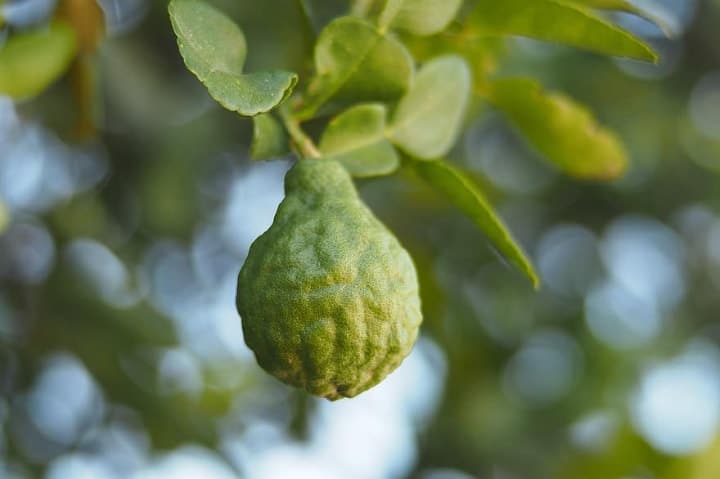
pixel 535 281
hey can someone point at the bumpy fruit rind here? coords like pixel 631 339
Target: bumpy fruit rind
pixel 328 297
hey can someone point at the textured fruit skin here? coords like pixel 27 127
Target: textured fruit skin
pixel 328 297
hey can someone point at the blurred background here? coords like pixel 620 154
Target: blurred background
pixel 121 353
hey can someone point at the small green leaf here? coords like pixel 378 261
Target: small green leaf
pixel 356 138
pixel 31 61
pixel 208 39
pixel 419 17
pixel 252 93
pixel 627 7
pixel 214 49
pixel 355 63
pixel 428 118
pixel 558 21
pixel 467 197
pixel 269 138
pixel 559 128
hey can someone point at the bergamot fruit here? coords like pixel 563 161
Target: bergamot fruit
pixel 328 297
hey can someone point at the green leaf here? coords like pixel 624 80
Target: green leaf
pixel 483 54
pixel 428 118
pixel 565 132
pixel 214 49
pixel 467 197
pixel 558 21
pixel 31 61
pixel 356 138
pixel 208 40
pixel 356 63
pixel 252 93
pixel 269 138
pixel 627 7
pixel 419 17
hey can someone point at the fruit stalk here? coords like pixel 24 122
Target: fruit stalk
pixel 302 142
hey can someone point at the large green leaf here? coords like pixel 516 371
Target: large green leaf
pixel 420 17
pixel 466 196
pixel 628 7
pixel 559 128
pixel 31 61
pixel 269 138
pixel 428 118
pixel 355 62
pixel 558 21
pixel 214 49
pixel 357 139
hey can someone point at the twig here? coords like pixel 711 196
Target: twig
pixel 307 15
pixel 304 144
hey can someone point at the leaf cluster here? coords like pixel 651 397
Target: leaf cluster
pixel 384 108
pixel 392 82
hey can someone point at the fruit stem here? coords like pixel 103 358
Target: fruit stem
pixel 304 144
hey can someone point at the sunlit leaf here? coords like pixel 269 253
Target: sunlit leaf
pixel 428 118
pixel 565 132
pixel 467 197
pixel 357 139
pixel 558 21
pixel 31 61
pixel 355 62
pixel 420 17
pixel 269 138
pixel 214 49
pixel 628 7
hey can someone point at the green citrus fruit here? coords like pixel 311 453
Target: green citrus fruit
pixel 328 297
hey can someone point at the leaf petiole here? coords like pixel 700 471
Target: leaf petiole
pixel 303 143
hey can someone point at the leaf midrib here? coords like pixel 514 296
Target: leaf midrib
pixel 330 92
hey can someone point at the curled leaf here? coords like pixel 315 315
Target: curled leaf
pixel 214 49
pixel 565 132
